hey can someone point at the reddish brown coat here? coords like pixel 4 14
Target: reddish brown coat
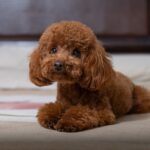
pixel 89 93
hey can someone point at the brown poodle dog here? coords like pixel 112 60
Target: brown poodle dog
pixel 89 92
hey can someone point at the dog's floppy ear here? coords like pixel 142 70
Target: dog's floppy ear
pixel 97 69
pixel 35 70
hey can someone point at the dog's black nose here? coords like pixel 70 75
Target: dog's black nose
pixel 58 66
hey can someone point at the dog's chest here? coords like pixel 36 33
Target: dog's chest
pixel 74 95
pixel 69 92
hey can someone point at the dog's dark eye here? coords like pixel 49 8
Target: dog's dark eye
pixel 53 50
pixel 76 53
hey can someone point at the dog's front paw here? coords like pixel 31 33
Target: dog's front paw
pixel 67 126
pixel 47 122
pixel 77 118
pixel 49 114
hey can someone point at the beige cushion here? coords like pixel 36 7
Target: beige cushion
pixel 130 133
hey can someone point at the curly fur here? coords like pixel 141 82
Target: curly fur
pixel 90 93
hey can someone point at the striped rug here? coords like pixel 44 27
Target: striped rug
pixel 22 106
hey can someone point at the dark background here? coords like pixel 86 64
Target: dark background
pixel 122 25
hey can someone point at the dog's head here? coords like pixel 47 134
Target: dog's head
pixel 68 52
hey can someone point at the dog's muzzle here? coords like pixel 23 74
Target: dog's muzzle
pixel 59 66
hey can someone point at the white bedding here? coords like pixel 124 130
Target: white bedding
pixel 14 58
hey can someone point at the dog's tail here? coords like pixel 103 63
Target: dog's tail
pixel 141 97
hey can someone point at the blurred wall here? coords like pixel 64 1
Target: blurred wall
pixel 116 22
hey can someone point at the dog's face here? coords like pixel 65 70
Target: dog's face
pixel 61 63
pixel 63 51
pixel 68 53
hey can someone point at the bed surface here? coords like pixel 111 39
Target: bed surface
pixel 130 133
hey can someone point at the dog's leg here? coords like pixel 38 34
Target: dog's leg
pixel 80 117
pixel 49 114
pixel 141 100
